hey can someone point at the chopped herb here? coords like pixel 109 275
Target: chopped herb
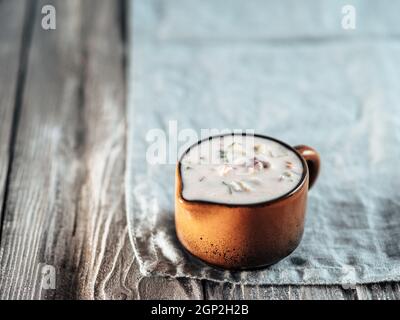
pixel 286 175
pixel 223 155
pixel 229 187
pixel 259 148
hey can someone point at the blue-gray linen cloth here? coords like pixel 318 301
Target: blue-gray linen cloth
pixel 294 70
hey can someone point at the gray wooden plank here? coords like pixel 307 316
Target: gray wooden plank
pixel 66 203
pixel 40 210
pixel 374 291
pixel 164 288
pixel 66 193
pixel 218 291
pixel 379 291
pixel 333 292
pixel 98 76
pixel 103 100
pixel 12 14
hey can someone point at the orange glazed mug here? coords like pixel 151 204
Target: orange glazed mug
pixel 246 236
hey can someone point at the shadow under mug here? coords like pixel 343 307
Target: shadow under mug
pixel 251 235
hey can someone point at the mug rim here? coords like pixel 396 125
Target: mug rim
pixel 286 195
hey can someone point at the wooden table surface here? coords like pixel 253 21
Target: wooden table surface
pixel 62 165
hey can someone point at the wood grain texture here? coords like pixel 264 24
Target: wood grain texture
pixel 11 33
pixel 66 193
pixel 375 291
pixel 169 288
pixel 379 291
pixel 285 292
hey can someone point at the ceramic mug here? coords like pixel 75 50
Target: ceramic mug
pixel 246 236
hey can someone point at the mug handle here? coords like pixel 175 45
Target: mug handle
pixel 313 162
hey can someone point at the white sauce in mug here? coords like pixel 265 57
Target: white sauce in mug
pixel 239 170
